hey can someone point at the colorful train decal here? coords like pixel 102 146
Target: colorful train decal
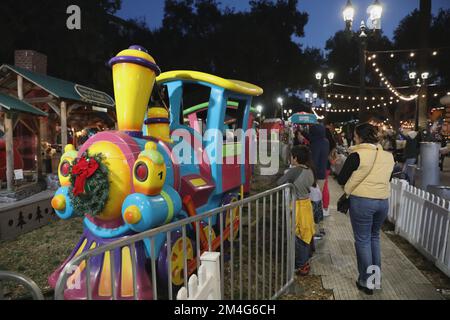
pixel 129 181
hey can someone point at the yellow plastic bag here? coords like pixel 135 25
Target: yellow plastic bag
pixel 304 220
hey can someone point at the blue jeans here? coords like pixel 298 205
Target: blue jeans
pixel 408 170
pixel 318 211
pixel 302 251
pixel 367 217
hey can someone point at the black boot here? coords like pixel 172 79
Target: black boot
pixel 366 290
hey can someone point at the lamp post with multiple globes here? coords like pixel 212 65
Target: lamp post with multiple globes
pixel 373 23
pixel 325 82
pixel 420 82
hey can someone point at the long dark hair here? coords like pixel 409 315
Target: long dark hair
pixel 367 133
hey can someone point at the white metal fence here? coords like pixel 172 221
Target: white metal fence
pixel 424 220
pixel 255 238
pixel 27 283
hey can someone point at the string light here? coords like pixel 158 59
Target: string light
pixel 373 98
pixel 357 109
pixel 410 52
pixel 357 97
pixel 391 88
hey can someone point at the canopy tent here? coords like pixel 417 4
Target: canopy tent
pixel 303 118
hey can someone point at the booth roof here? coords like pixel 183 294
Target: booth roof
pixel 62 88
pixel 14 104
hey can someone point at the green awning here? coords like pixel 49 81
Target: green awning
pixel 14 104
pixel 64 89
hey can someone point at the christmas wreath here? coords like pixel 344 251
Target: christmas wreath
pixel 89 189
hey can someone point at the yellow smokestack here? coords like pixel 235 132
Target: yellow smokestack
pixel 134 73
pixel 158 124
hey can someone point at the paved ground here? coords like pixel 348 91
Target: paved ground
pixel 335 262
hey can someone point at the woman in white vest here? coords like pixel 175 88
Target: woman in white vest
pixel 366 175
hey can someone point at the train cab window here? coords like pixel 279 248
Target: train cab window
pixel 159 96
pixel 194 106
pixel 234 120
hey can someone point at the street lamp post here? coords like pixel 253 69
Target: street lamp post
pixel 419 82
pixel 374 22
pixel 280 102
pixel 362 70
pixel 325 82
pixel 259 109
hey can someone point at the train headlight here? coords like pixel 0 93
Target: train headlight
pixel 149 171
pixel 64 168
pixel 65 165
pixel 141 171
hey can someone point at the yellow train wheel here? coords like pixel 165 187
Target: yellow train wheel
pixel 178 258
pixel 231 216
pixel 206 230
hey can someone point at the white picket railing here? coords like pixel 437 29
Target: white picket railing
pixel 205 286
pixel 424 220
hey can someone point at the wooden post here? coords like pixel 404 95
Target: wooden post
pixel 9 151
pixel 63 125
pixel 36 123
pixel 43 132
pixel 43 122
pixel 20 87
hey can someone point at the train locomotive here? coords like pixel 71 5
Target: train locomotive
pixel 131 180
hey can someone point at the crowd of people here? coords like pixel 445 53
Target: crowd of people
pixel 365 174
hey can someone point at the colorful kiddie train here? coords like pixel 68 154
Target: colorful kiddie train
pixel 129 181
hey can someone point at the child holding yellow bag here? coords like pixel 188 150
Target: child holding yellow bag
pixel 302 176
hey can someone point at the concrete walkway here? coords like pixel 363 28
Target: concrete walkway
pixel 335 262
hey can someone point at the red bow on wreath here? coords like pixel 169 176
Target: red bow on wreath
pixel 83 170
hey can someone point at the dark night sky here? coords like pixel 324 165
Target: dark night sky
pixel 325 16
